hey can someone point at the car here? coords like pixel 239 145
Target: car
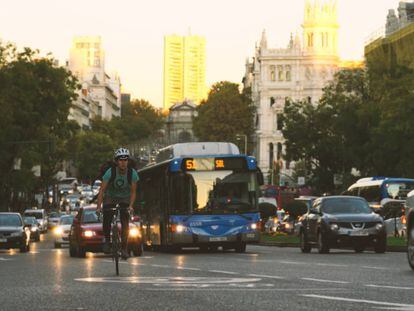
pixel 53 219
pixel 86 234
pixel 75 201
pixel 342 221
pixel 61 232
pixel 32 224
pixel 41 217
pixel 67 185
pixel 96 186
pixel 410 228
pixel 13 232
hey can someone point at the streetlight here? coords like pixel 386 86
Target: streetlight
pixel 238 137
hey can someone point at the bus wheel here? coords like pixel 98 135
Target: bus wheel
pixel 240 248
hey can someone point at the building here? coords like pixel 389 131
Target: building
pixel 84 108
pixel 179 124
pixel 298 72
pixel 184 69
pixel 394 43
pixel 87 63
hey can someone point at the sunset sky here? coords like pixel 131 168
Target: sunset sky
pixel 133 31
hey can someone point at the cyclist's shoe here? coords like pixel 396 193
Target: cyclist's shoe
pixel 107 248
pixel 124 254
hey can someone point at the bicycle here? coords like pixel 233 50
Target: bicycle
pixel 116 245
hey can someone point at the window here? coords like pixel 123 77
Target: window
pixel 288 73
pixel 279 150
pixel 280 73
pixel 279 122
pixel 272 101
pixel 272 73
pixel 310 39
pixel 371 193
pixel 271 154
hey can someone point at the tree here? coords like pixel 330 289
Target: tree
pixel 225 114
pixel 35 97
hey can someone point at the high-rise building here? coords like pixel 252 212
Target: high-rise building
pixel 298 72
pixel 184 69
pixel 87 63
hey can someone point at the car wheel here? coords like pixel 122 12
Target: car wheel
pixel 381 245
pixel 137 250
pixel 240 248
pixel 305 247
pixel 37 239
pixel 57 245
pixel 359 249
pixel 72 250
pixel 323 247
pixel 80 251
pixel 410 249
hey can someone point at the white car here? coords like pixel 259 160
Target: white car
pixel 61 232
pixel 41 217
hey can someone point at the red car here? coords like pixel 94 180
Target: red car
pixel 86 234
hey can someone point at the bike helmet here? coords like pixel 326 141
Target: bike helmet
pixel 122 153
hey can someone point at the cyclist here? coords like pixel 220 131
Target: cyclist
pixel 118 190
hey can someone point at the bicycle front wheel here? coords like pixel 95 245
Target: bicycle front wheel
pixel 116 245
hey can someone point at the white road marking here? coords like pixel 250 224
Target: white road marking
pixel 267 276
pixel 330 265
pixel 390 287
pixel 324 281
pixel 5 259
pixel 137 264
pixel 375 268
pixel 123 262
pixel 293 262
pixel 187 268
pixel 161 266
pixel 224 272
pixel 374 302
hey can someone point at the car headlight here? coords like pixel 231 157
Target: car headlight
pixel 379 227
pixel 16 233
pixel 253 226
pixel 334 227
pixel 180 228
pixel 134 232
pixel 33 229
pixel 58 231
pixel 89 234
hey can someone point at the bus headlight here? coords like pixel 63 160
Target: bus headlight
pixel 134 232
pixel 180 228
pixel 253 226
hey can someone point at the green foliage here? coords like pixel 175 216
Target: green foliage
pixel 35 97
pixel 225 113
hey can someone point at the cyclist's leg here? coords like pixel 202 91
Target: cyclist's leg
pixel 125 225
pixel 108 213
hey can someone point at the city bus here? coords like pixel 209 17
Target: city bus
pixel 200 195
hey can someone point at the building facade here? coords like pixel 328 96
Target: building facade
pixel 395 45
pixel 87 63
pixel 179 123
pixel 298 72
pixel 184 69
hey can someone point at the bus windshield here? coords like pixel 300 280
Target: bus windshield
pixel 222 191
pixel 398 190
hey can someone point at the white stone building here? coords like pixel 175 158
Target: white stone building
pixel 87 63
pixel 298 72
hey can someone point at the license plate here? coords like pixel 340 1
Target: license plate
pixel 358 233
pixel 3 240
pixel 218 239
pixel 250 235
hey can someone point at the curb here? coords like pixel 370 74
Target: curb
pixel 390 248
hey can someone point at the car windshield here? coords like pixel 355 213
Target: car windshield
pixel 90 217
pixel 30 220
pixel 8 220
pixel 66 220
pixel 54 215
pixel 37 215
pixel 345 206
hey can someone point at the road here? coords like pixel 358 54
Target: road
pixel 264 278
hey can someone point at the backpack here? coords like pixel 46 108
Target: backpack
pixel 112 165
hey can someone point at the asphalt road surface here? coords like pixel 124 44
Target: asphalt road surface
pixel 264 278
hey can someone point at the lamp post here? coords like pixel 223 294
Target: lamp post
pixel 239 137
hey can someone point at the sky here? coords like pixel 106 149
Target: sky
pixel 133 31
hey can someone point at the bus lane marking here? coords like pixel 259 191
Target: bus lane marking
pixel 374 302
pixel 267 276
pixel 187 268
pixel 224 272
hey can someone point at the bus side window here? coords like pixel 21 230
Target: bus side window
pixel 371 193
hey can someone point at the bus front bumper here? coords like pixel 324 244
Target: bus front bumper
pixel 194 239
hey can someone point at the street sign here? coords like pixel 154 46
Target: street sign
pixel 301 181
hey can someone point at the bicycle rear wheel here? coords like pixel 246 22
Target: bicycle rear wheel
pixel 116 245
